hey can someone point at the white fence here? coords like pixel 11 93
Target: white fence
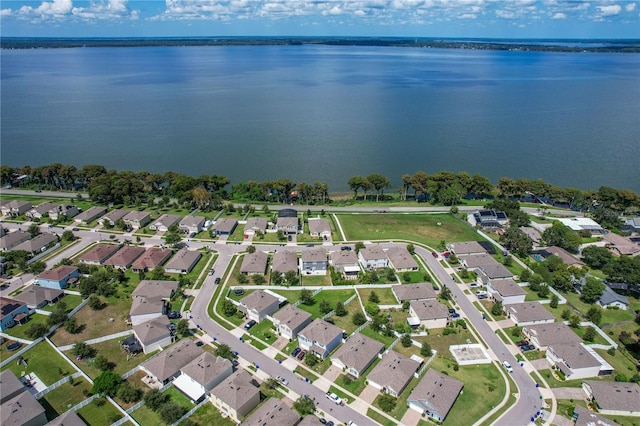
pixel 100 339
pixel 57 384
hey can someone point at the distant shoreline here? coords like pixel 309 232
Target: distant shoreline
pixel 533 45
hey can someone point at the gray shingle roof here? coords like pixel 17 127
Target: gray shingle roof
pixel 373 252
pixel 318 226
pixel 466 247
pixel 192 221
pixel 236 390
pixel 553 333
pixel 256 224
pixel 395 371
pixel 496 271
pixel 254 263
pixel 258 300
pixel 414 291
pixel 183 259
pixel 168 362
pixel 150 331
pixel 344 257
pixel 401 258
pixel 91 213
pixel 429 309
pixel 284 261
pixel 273 412
pixel 436 392
pixel 477 260
pixel 358 351
pixel 321 331
pixel 225 224
pixel 574 355
pixel 508 288
pixel 37 243
pixel 292 316
pixel 610 296
pixel 206 367
pixel 314 255
pixel 529 311
pixel 33 295
pixel 621 396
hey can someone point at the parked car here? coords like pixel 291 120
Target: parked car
pixel 282 380
pixel 522 342
pixel 452 311
pixel 434 254
pixel 507 366
pixel 310 245
pixel 74 229
pixel 474 285
pixel 250 324
pixel 525 348
pixel 295 352
pixel 289 238
pixel 212 271
pixel 345 248
pixel 174 315
pixel 455 315
pixel 335 398
pixel 301 355
pixel 217 281
pixel 14 346
pixel 199 343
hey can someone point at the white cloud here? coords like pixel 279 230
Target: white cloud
pixel 609 10
pixel 5 12
pixel 630 7
pixel 559 15
pixel 64 9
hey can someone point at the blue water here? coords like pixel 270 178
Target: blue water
pixel 326 113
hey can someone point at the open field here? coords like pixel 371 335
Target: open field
pixel 99 416
pixel 345 322
pixel 385 295
pixel 45 362
pixel 421 228
pixel 111 349
pixel 66 396
pixel 71 300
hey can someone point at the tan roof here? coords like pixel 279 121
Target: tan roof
pixel 429 309
pixel 314 255
pixel 292 316
pixel 496 271
pixel 395 371
pixel 91 213
pixel 12 239
pixel 37 243
pixel 225 224
pixel 256 224
pixel 151 258
pixel 553 333
pixel 21 410
pixel 622 245
pixel 115 215
pixel 436 392
pixel 236 390
pixel 42 208
pixel 529 311
pixel 160 288
pixel 10 385
pixel 321 331
pixel 167 220
pixel 192 221
pixel 373 252
pixel 33 295
pixel 150 331
pixel 477 260
pixel 319 226
pixel 125 256
pixel 99 253
pixel 589 418
pixel 168 362
pixel 206 368
pixel 358 352
pixel 284 261
pixel 135 215
pixel 273 412
pixel 344 257
pixel 401 258
pixel 508 288
pixel 184 259
pixel 258 300
pixel 566 257
pixel 254 262
pixel 574 355
pixel 620 396
pixel 287 222
pixel 414 291
pixel 467 247
pixel 58 273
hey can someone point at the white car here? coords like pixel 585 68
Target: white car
pixel 507 366
pixel 335 398
pixel 282 380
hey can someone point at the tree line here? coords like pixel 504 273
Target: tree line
pixel 444 187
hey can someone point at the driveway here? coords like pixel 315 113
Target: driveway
pixel 369 394
pixel 332 373
pixel 411 418
pixel 569 393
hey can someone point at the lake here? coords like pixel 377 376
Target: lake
pixel 325 113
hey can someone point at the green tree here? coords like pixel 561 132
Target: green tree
pixel 72 326
pixel 304 406
pixel 56 317
pixel 258 279
pixel 102 363
pixel 35 331
pixel 340 309
pixel 34 230
pixel 37 267
pixel 183 328
pixel 95 303
pixel 154 399
pixel 594 314
pixel 445 293
pixel 596 257
pixel 291 277
pixel 358 318
pixel 172 238
pixel 554 301
pixel 561 236
pixel 387 402
pixel 411 248
pixel 544 291
pixel 566 314
pixel 379 183
pixel 242 279
pixel 306 297
pixel 589 334
pixel 228 308
pixel 310 359
pixel 276 277
pixel 224 351
pixel 68 236
pixel 81 349
pixel 251 249
pixel 170 412
pixel 271 383
pixel 574 321
pixel 373 297
pixel 425 350
pixel 325 307
pixel 591 290
pixel 497 309
pixel 107 383
pixel 406 341
pixel 517 241
pixel 128 393
pixel 359 246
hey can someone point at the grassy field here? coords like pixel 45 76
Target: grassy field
pixel 63 398
pixel 71 300
pixel 345 322
pixel 45 362
pixel 146 417
pixel 316 280
pixel 609 316
pixel 265 331
pixel 441 343
pixel 356 386
pixel 207 415
pixel 291 295
pixel 179 398
pixel 422 228
pixel 111 349
pixel 367 331
pixel 331 296
pixel 20 331
pixel 99 416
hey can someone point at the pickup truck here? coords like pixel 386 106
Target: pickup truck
pixel 335 398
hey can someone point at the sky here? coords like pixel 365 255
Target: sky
pixel 557 19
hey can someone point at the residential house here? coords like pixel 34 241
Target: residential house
pixel 314 261
pixel 287 221
pixel 38 244
pixel 585 417
pixel 236 396
pixel 151 258
pixel 543 335
pixel 430 313
pixel 124 258
pixel 254 225
pixel 346 263
pixel 435 394
pixel 506 291
pixel 151 300
pixel 393 373
pixel 224 226
pixel 259 304
pixel 357 354
pixel 90 215
pixel 534 234
pixel 528 313
pixel 475 261
pixel 183 261
pixel 577 361
pixel 99 254
pixel 191 224
pixel 620 245
pixel 489 218
pixel 632 223
pixel 319 228
pixel 39 211
pixel 492 272
pixel 614 398
pixel 164 222
pixel 582 224
pixel 466 248
pixel 166 365
pixel 320 337
pixel 401 260
pixel 61 277
pixel 564 255
pixel 202 374
pixel 70 418
pixel 373 257
pixel 273 412
pixel 114 216
pixel 254 263
pixel 284 261
pixel 154 334
pixel 11 312
pixel 413 292
pixel 18 407
pixel 63 211
pixel 12 239
pixel 611 299
pixel 290 320
pixel 36 297
pixel 15 208
pixel 136 219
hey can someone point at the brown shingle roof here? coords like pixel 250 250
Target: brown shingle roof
pixel 553 333
pixel 236 390
pixel 401 258
pixel 258 300
pixel 373 252
pixel 99 253
pixel 284 261
pixel 33 295
pixel 292 316
pixel 429 309
pixel 168 362
pixel 273 412
pixel 206 367
pixel 344 257
pixel 529 311
pixel 57 274
pixel 508 288
pixel 151 258
pixel 467 247
pixel 318 226
pixel 124 257
pixel 256 224
pixel 314 255
pixel 321 331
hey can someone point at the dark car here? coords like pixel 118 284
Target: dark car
pixel 452 311
pixel 434 254
pixel 289 238
pixel 212 271
pixel 522 343
pixel 217 281
pixel 295 352
pixel 199 343
pixel 455 315
pixel 525 348
pixel 174 315
pixel 74 229
pixel 250 324
pixel 345 248
pixel 301 355
pixel 323 421
pixel 14 346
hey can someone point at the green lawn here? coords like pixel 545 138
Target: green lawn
pixel 379 418
pixel 100 416
pixel 345 322
pixel 265 331
pixel 66 396
pixel 305 373
pixel 316 280
pixel 555 383
pixel 71 300
pixel 291 295
pixel 367 331
pixel 620 362
pixel 238 297
pixel 358 385
pixel 441 343
pixel 331 296
pixel 146 417
pixel 341 394
pixel 111 349
pixel 207 415
pixel 428 229
pixel 45 362
pixel 385 295
pixel 21 330
pixel 179 398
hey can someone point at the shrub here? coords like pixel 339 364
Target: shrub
pixel 387 402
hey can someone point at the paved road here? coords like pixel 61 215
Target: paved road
pixel 528 401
